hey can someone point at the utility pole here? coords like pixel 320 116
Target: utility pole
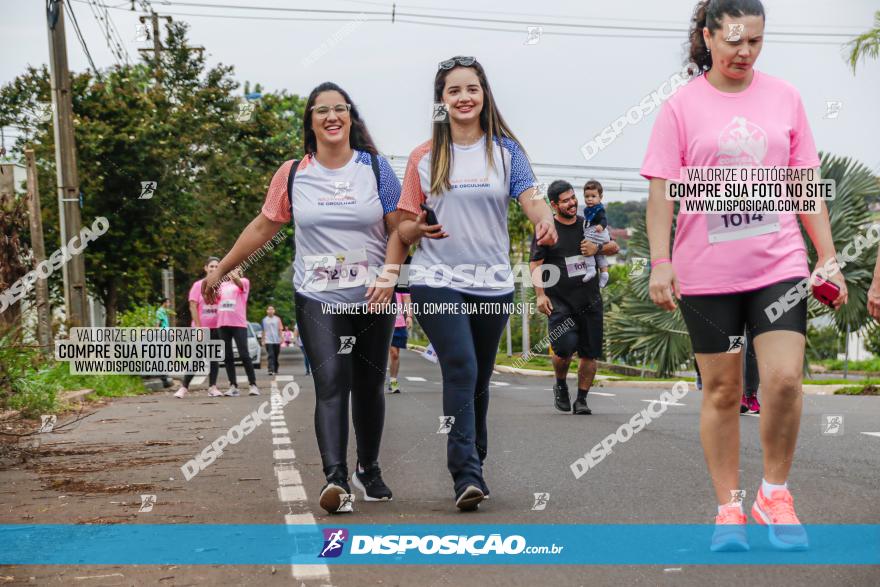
pixel 44 310
pixel 74 271
pixel 157 42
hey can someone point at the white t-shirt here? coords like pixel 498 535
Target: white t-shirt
pixel 339 227
pixel 473 212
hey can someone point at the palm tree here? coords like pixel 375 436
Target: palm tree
pixel 639 328
pixel 866 45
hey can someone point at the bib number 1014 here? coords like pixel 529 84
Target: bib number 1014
pixel 734 220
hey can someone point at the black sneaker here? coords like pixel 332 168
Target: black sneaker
pixel 563 400
pixel 331 494
pixel 470 498
pixel 369 481
pixel 580 407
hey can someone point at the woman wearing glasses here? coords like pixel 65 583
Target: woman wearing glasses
pixel 468 173
pixel 343 205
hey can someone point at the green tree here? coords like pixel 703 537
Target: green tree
pixel 866 45
pixel 182 132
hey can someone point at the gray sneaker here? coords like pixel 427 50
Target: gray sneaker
pixel 233 392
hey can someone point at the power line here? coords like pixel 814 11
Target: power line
pixel 111 33
pixel 82 41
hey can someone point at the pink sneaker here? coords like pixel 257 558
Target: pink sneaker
pixel 754 406
pixel 743 404
pixel 180 393
pixel 777 512
pixel 214 392
pixel 730 530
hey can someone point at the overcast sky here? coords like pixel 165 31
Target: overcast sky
pixel 556 94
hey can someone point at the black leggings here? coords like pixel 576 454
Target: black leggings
pixel 239 335
pixel 466 346
pixel 359 373
pixel 215 365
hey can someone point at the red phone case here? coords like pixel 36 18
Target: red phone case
pixel 826 292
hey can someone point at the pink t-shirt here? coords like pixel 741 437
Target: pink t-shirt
pixel 232 305
pixel 207 312
pixel 763 126
pixel 400 322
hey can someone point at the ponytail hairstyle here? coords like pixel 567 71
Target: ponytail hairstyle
pixel 359 137
pixel 708 13
pixel 491 122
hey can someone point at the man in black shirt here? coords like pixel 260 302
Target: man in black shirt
pixel 574 307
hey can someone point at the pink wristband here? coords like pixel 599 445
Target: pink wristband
pixel 656 262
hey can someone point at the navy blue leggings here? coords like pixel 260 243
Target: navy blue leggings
pixel 466 346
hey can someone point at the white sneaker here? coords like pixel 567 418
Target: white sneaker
pixel 233 392
pixel 603 279
pixel 590 273
pixel 254 390
pixel 180 393
pixel 214 392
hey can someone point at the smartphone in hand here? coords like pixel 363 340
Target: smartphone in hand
pixel 431 217
pixel 826 292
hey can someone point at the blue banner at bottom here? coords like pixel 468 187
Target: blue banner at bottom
pixel 408 544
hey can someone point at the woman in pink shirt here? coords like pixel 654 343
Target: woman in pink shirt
pixel 232 323
pixel 728 270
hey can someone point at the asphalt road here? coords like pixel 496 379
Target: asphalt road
pixel 95 470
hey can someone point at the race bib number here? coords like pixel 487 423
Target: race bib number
pixel 732 227
pixel 226 306
pixel 209 310
pixel 333 271
pixel 576 265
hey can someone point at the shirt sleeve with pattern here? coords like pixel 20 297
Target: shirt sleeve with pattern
pixel 521 176
pixel 276 207
pixel 411 194
pixel 389 187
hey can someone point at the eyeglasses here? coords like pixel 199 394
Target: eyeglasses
pixel 463 61
pixel 324 111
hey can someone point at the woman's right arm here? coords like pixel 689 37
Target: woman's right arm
pixel 663 284
pixel 255 235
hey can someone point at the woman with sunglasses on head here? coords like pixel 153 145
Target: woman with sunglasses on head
pixel 726 276
pixel 343 204
pixel 468 173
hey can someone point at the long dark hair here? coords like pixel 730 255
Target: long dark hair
pixel 491 122
pixel 359 138
pixel 708 13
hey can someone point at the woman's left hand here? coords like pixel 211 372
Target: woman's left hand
pixel 380 292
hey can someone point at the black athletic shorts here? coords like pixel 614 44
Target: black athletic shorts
pixel 715 321
pixel 577 331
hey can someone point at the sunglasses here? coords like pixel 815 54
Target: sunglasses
pixel 463 61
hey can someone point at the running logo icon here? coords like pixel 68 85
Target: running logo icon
pixel 147 503
pixel 540 191
pixel 736 344
pixel 734 32
pixel 334 541
pixel 832 424
pixel 832 109
pixel 245 110
pixel 440 112
pixel 148 188
pixel 541 500
pixel 638 266
pixel 737 496
pixel 346 503
pixel 534 33
pixel 47 423
pixel 143 33
pixel 446 423
pixel 346 345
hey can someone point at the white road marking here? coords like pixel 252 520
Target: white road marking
pixel 877 434
pixel 279 422
pixel 603 394
pixel 416 379
pixel 280 431
pixel 288 475
pixel 286 454
pixel 288 493
pixel 281 440
pixel 284 378
pixel 498 383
